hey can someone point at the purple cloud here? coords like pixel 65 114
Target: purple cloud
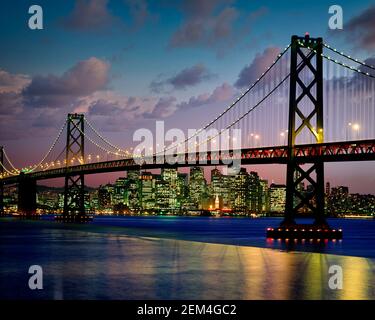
pixel 53 91
pixel 251 72
pixel 222 93
pixel 12 82
pixel 90 15
pixel 207 23
pixel 165 107
pixel 185 78
pixel 361 29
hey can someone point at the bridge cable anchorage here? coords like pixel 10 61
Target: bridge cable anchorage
pixel 231 105
pixel 341 63
pixel 349 57
pixel 97 145
pixel 104 139
pixel 50 149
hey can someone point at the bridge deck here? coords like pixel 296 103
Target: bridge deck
pixel 363 150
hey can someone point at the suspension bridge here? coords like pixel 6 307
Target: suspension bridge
pixel 313 104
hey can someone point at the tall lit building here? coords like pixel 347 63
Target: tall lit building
pixel 277 197
pixel 265 196
pixel 197 186
pixel 255 192
pixel 162 189
pixel 227 191
pixel 132 194
pixel 217 188
pixel 170 177
pixel 104 197
pixel 147 190
pixel 120 191
pixel 241 191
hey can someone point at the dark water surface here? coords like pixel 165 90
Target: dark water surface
pixel 181 258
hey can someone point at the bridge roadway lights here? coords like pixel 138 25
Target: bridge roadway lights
pixel 304 231
pixel 74 218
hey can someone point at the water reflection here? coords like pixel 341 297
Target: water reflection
pixel 84 264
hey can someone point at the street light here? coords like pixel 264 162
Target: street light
pixel 257 137
pixel 283 134
pixel 356 128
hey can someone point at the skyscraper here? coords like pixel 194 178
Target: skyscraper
pixel 277 197
pixel 241 191
pixel 197 186
pixel 147 190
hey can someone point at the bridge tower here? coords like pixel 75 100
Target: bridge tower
pixel 74 192
pixel 305 112
pixel 1 181
pixel 302 59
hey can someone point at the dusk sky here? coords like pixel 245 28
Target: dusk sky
pixel 127 63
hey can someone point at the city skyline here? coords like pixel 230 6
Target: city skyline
pixel 186 75
pixel 172 192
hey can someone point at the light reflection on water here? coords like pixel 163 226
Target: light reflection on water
pixel 94 262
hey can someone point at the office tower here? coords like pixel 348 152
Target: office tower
pixel 241 191
pixel 170 177
pixel 197 187
pixel 147 190
pixel 255 191
pixel 227 191
pixel 277 197
pixel 217 188
pixel 162 193
pixel 104 197
pixel 264 196
pixel 120 191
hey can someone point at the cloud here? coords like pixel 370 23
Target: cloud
pixel 95 15
pixel 207 23
pixel 12 82
pixel 53 91
pixel 10 103
pixel 360 30
pixel 251 72
pixel 90 15
pixel 222 93
pixel 185 78
pixel 165 107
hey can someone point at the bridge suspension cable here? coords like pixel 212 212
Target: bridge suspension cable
pixel 98 145
pixel 10 162
pixel 106 140
pixel 248 111
pixel 50 149
pixel 7 171
pixel 349 57
pixel 344 64
pixel 234 103
pixel 251 109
